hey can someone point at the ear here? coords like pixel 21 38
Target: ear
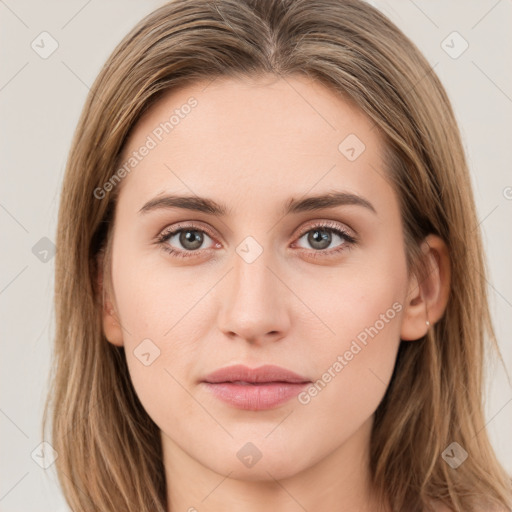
pixel 110 320
pixel 427 300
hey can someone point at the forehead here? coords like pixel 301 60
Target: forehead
pixel 259 136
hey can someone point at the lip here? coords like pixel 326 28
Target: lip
pixel 254 389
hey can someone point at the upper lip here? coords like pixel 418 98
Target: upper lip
pixel 265 373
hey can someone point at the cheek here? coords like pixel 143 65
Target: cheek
pixel 162 325
pixel 364 294
pixel 153 300
pixel 362 306
pixel 354 369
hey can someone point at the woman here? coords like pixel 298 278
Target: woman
pixel 270 287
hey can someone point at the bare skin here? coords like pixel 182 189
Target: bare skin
pixel 253 146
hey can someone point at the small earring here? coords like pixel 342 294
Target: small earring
pixel 428 323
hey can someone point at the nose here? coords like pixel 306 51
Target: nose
pixel 255 303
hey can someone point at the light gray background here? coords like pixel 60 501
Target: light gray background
pixel 40 103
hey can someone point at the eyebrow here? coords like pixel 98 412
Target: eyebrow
pixel 205 205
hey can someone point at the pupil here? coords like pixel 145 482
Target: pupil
pixel 320 239
pixel 191 239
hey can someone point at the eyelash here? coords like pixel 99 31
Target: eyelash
pixel 350 241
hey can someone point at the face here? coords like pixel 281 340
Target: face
pixel 277 276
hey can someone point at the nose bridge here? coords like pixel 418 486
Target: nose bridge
pixel 254 304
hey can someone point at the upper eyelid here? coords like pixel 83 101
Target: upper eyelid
pixel 180 226
pixel 327 224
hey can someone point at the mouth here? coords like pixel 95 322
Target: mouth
pixel 256 389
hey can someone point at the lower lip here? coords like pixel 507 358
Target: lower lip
pixel 255 397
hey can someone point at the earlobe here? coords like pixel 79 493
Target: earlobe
pixel 111 325
pixel 110 321
pixel 427 299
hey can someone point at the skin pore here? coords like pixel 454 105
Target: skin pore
pixel 252 146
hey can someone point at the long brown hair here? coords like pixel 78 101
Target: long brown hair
pixel 109 451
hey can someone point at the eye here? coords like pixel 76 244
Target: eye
pixel 187 240
pixel 321 236
pixel 183 241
